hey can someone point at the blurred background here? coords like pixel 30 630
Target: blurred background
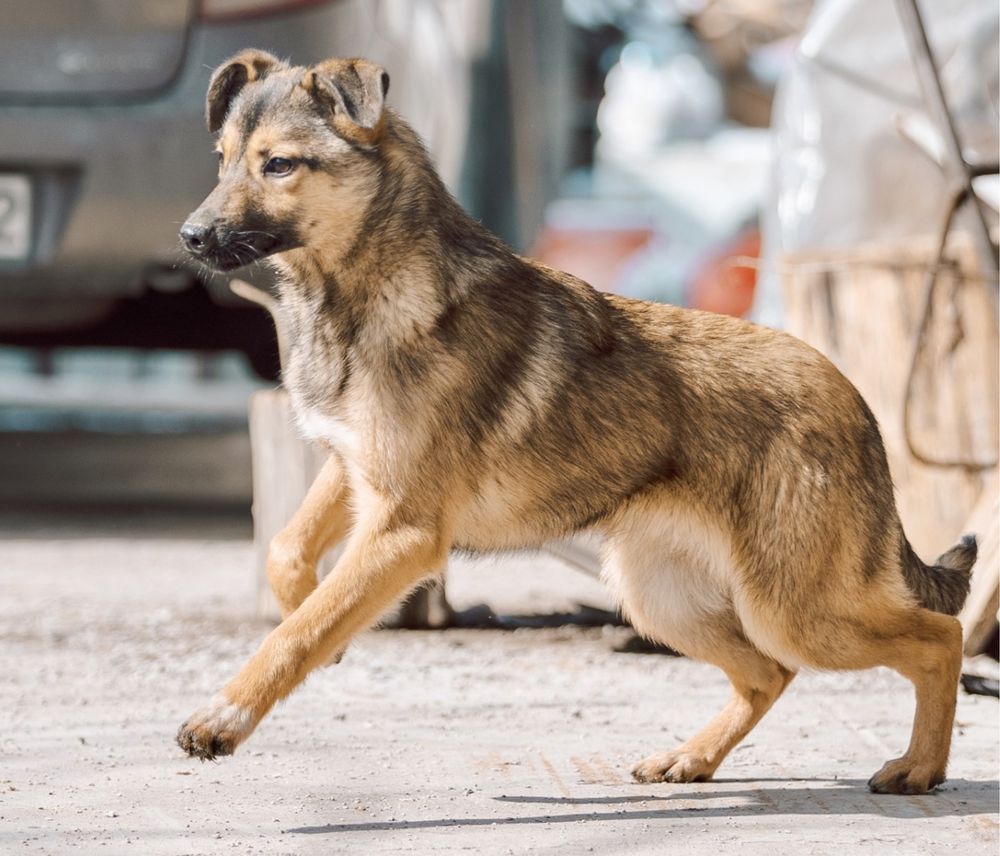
pixel 828 167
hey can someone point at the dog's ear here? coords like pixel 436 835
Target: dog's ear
pixel 353 91
pixel 230 77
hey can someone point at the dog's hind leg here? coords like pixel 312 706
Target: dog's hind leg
pixel 929 653
pixel 670 567
pixel 757 682
pixel 319 524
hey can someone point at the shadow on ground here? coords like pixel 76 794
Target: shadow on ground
pixel 848 797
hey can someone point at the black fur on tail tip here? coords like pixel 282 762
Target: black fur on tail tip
pixel 943 586
pixel 962 556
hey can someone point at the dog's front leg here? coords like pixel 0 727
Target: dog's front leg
pixel 319 523
pixel 385 557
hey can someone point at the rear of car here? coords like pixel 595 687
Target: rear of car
pixel 103 152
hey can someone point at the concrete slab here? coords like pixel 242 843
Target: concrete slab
pixel 450 742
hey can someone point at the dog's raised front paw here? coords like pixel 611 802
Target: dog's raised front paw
pixel 675 766
pixel 216 729
pixel 903 776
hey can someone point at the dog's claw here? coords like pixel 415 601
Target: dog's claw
pixel 205 747
pixel 902 776
pixel 215 730
pixel 676 766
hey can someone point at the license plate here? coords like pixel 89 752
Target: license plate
pixel 15 217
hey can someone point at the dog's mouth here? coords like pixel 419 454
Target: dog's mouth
pixel 238 251
pixel 227 249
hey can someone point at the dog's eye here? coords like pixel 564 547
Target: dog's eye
pixel 278 166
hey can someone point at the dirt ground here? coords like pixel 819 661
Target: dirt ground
pixel 113 629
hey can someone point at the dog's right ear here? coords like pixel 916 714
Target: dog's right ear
pixel 353 92
pixel 230 77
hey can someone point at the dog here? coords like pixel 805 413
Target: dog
pixel 476 400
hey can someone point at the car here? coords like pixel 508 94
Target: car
pixel 104 151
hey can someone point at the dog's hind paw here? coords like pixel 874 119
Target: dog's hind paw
pixel 675 766
pixel 903 776
pixel 215 730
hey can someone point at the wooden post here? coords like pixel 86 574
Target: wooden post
pixel 862 308
pixel 982 609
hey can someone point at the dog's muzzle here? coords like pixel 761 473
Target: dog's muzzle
pixel 227 250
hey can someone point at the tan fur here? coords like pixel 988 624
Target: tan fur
pixel 321 522
pixel 473 399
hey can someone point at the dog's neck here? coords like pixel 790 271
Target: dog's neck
pixel 412 250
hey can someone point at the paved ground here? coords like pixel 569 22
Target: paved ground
pixel 461 741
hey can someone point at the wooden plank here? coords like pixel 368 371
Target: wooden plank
pixel 982 609
pixel 581 551
pixel 862 308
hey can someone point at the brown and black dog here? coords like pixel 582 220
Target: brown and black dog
pixel 474 399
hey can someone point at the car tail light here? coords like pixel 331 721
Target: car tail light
pixel 237 10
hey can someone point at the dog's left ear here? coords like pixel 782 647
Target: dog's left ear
pixel 354 91
pixel 230 77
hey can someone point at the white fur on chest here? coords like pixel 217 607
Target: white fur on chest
pixel 336 432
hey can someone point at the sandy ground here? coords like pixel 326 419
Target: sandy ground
pixel 457 741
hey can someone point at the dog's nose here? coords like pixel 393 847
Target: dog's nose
pixel 198 238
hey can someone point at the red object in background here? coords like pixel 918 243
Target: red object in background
pixel 723 283
pixel 595 255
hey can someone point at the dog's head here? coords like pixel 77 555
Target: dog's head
pixel 297 154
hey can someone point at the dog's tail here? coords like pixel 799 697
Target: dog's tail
pixel 943 586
